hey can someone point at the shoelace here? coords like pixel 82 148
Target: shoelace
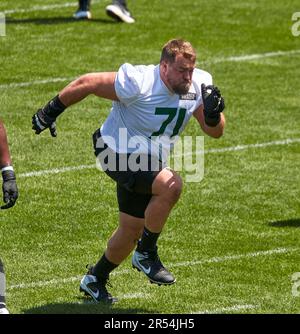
pixel 107 283
pixel 89 267
pixel 152 255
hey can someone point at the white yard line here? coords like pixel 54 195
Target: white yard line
pixel 56 170
pixel 209 151
pixel 257 145
pixel 256 56
pixel 42 8
pixel 219 259
pixel 35 82
pixel 227 309
pixel 134 295
pixel 233 257
pixel 245 147
pixel 213 60
pixel 41 284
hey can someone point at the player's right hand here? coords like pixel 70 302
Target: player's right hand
pixel 40 122
pixel 9 189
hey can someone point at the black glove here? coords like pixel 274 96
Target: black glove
pixel 213 104
pixel 9 188
pixel 40 122
pixel 45 118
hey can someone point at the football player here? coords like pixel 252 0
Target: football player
pixel 117 10
pixel 149 102
pixel 10 195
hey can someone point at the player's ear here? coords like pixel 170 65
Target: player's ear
pixel 164 66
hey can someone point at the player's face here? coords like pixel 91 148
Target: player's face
pixel 178 74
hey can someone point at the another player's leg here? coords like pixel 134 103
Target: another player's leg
pixel 166 189
pixel 118 10
pixel 83 11
pixel 120 245
pixel 3 309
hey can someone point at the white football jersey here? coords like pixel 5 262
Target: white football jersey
pixel 148 118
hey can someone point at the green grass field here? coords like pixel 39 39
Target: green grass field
pixel 233 240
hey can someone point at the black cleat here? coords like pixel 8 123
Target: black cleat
pixel 150 264
pixel 95 288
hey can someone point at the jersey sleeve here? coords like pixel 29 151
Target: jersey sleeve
pixel 128 83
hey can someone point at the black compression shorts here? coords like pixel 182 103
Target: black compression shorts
pixel 134 188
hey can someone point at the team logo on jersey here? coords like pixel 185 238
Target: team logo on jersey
pixel 188 96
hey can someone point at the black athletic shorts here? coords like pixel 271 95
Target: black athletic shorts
pixel 134 188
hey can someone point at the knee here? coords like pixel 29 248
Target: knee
pixel 175 188
pixel 172 189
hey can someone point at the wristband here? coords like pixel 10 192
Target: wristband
pixel 7 168
pixel 8 173
pixel 213 121
pixel 54 108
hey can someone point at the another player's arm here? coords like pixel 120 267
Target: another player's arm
pixel 216 131
pixel 99 84
pixel 9 186
pixel 5 160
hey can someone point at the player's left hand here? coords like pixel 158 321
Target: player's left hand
pixel 10 189
pixel 213 104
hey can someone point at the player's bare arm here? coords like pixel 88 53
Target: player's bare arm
pixel 9 185
pixel 4 150
pixel 99 84
pixel 216 131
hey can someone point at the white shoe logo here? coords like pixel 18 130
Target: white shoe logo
pixel 146 270
pixel 95 293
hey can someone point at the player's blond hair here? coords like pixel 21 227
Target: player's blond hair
pixel 177 46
